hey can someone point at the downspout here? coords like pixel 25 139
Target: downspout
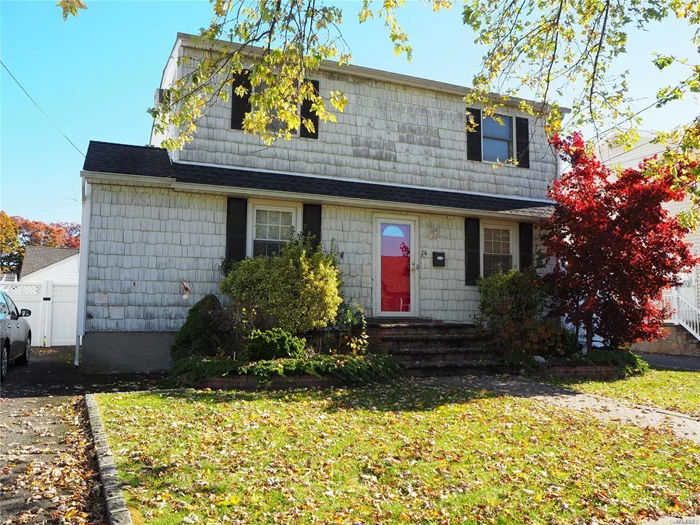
pixel 83 269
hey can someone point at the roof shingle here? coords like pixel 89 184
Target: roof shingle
pixel 125 159
pixel 39 257
pixel 155 162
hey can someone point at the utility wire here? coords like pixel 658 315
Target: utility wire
pixel 39 108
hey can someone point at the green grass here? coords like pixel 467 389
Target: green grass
pixel 401 453
pixel 672 390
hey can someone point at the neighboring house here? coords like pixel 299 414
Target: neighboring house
pixel 48 286
pixel 44 263
pixel 684 326
pixel 412 201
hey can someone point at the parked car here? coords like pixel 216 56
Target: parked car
pixel 15 335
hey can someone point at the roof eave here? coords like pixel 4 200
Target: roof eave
pixel 370 73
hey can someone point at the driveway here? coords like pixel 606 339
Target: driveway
pixel 672 362
pixel 47 463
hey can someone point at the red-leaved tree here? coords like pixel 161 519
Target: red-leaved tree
pixel 614 246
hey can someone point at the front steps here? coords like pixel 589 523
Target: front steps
pixel 428 348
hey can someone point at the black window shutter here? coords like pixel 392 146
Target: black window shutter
pixel 474 137
pixel 240 105
pixel 526 245
pixel 472 248
pixel 306 113
pixel 312 222
pixel 522 139
pixel 236 219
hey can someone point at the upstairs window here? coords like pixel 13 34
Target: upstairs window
pixel 497 141
pixel 490 141
pixel 241 105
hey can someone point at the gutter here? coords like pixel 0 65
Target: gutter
pixel 83 268
pixel 298 196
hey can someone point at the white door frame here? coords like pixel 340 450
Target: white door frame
pixel 411 221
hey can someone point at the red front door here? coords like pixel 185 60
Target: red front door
pixel 396 268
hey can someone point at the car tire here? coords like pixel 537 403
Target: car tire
pixel 4 362
pixel 24 358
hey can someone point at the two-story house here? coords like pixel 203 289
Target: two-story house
pixel 412 201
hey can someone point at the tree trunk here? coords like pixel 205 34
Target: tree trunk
pixel 589 334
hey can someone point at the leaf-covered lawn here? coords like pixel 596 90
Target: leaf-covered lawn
pixel 672 390
pixel 403 453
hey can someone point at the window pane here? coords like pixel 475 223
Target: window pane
pixel 274 217
pixel 500 245
pixel 261 216
pixel 496 150
pixel 495 130
pixel 286 218
pixel 493 263
pixel 260 231
pixel 285 233
pixel 273 248
pixel 273 232
pixel 259 248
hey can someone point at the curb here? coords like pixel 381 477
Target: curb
pixel 117 512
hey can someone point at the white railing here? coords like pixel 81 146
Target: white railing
pixel 684 313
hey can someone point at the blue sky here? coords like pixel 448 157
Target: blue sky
pixel 95 76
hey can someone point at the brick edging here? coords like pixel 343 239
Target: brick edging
pixel 580 371
pixel 117 512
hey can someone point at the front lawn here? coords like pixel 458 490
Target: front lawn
pixel 672 390
pixel 401 453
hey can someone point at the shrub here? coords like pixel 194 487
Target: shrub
pixel 273 344
pixel 351 370
pixel 202 333
pixel 298 291
pixel 197 368
pixel 513 314
pixel 346 335
pixel 213 329
pixel 627 363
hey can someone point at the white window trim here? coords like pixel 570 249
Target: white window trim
pixel 254 204
pixel 514 240
pixel 513 144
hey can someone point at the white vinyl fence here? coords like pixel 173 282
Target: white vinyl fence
pixel 54 309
